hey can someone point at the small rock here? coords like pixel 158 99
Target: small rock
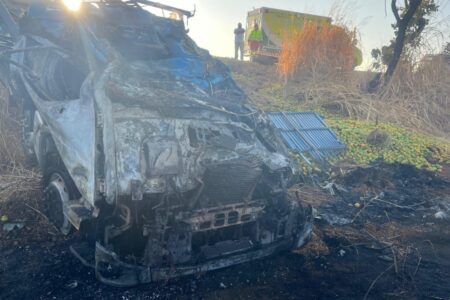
pixel 386 258
pixel 12 225
pixel 441 215
pixel 378 138
pixel 334 219
pixel 357 205
pixel 72 285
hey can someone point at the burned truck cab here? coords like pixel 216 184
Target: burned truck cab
pixel 147 139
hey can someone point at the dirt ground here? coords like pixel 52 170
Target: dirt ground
pixel 382 235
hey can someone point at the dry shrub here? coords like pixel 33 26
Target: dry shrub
pixel 19 182
pixel 416 98
pixel 11 151
pixel 310 194
pixel 316 63
pixel 423 91
pixel 316 49
pixel 16 179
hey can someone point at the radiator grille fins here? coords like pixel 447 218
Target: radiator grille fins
pixel 229 183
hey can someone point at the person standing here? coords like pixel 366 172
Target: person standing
pixel 239 42
pixel 255 39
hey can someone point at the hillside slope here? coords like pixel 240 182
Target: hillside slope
pixel 358 118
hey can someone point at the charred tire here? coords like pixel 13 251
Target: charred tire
pixel 59 190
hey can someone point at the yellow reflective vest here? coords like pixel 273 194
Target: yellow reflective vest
pixel 256 35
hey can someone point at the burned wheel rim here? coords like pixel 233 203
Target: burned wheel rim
pixel 56 200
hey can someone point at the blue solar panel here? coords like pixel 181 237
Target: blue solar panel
pixel 307 134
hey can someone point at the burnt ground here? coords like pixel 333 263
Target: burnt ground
pixel 377 237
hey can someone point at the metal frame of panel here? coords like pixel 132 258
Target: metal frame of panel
pixel 307 134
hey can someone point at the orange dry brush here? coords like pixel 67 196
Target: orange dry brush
pixel 315 47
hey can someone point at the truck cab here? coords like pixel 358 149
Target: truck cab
pixel 147 144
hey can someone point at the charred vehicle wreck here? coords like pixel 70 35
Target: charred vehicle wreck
pixel 146 142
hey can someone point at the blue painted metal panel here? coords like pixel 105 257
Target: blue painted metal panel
pixel 307 134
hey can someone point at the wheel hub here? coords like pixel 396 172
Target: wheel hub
pixel 56 202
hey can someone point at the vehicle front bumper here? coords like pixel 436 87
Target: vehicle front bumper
pixel 126 275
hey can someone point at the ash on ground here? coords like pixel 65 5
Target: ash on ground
pixel 381 232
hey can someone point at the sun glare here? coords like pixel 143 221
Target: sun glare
pixel 73 5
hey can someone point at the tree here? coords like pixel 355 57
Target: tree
pixel 411 20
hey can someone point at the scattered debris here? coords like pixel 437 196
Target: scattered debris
pixel 386 258
pixel 441 215
pixel 72 285
pixel 382 237
pixel 334 219
pixel 10 226
pixel 316 246
pixel 385 192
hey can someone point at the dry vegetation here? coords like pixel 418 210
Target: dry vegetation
pixel 413 110
pixel 417 97
pixel 315 50
pixel 16 178
pixel 315 72
pixel 423 94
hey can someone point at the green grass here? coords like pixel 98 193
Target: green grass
pixel 404 145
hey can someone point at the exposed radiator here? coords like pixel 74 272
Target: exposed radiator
pixel 229 183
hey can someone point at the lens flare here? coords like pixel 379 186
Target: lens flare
pixel 73 5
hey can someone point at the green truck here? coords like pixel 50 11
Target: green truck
pixel 274 23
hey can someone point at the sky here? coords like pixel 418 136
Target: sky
pixel 213 24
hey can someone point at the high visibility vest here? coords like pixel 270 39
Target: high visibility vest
pixel 256 35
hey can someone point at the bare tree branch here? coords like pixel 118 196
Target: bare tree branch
pixel 403 24
pixel 395 11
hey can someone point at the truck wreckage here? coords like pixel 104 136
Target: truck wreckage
pixel 145 141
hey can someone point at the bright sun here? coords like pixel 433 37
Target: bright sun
pixel 72 5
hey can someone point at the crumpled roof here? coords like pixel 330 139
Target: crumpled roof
pixel 176 83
